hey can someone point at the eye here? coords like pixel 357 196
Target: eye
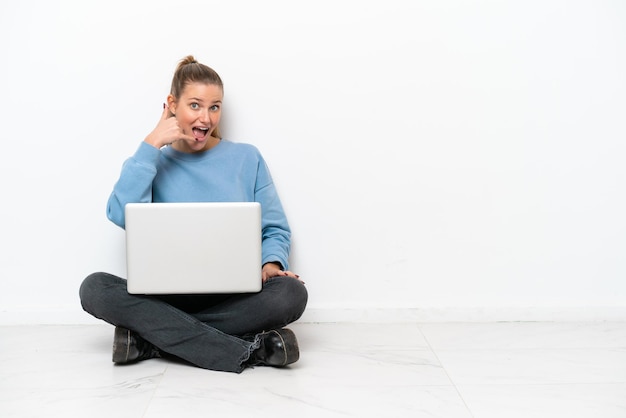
pixel 194 106
pixel 215 108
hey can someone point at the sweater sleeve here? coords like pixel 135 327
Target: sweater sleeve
pixel 276 234
pixel 134 183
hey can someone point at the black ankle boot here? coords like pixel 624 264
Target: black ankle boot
pixel 277 348
pixel 128 347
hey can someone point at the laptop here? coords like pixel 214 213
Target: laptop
pixel 193 248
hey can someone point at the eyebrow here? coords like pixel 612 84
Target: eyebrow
pixel 197 99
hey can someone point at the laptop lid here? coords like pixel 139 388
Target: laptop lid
pixel 191 248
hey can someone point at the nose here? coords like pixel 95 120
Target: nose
pixel 204 116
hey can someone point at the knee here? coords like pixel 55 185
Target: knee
pixel 301 298
pixel 93 289
pixel 294 297
pixel 300 295
pixel 89 285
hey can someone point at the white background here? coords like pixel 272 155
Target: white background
pixel 430 155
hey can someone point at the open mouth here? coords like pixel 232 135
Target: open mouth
pixel 200 133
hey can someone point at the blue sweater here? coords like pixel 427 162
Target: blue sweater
pixel 228 172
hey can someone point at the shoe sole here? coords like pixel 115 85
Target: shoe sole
pixel 121 345
pixel 290 343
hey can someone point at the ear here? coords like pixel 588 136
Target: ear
pixel 171 104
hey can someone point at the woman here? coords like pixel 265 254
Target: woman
pixel 185 159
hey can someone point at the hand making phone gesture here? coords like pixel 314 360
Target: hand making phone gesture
pixel 167 131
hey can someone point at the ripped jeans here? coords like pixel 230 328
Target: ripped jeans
pixel 204 330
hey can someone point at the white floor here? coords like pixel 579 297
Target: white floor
pixel 449 370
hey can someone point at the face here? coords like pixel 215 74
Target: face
pixel 198 111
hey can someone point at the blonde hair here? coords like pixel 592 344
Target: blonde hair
pixel 189 70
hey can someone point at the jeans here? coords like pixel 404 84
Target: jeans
pixel 205 330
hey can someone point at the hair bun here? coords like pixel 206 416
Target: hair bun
pixel 189 59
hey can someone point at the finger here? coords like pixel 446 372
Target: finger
pixel 293 275
pixel 166 112
pixel 187 137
